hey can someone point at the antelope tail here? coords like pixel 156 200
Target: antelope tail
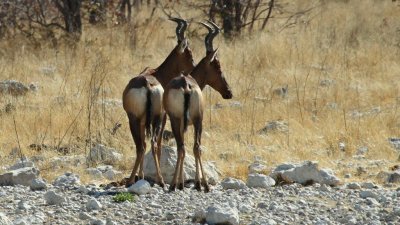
pixel 148 112
pixel 186 103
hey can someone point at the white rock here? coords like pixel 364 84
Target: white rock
pixel 22 176
pixel 257 168
pixel 4 219
pixel 23 205
pixel 52 198
pixel 353 185
pixel 101 153
pixel 82 189
pixel 66 180
pixel 168 162
pixel 38 184
pixel 368 185
pixel 93 204
pixel 274 126
pixel 22 164
pixel 111 174
pixel 222 215
pixel 306 172
pixel 232 183
pixel 20 222
pixel 256 180
pixel 141 187
pixel 110 222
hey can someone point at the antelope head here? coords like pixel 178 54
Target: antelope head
pixel 210 67
pixel 182 53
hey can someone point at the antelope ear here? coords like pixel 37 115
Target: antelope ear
pixel 183 45
pixel 213 55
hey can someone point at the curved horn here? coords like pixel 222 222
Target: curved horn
pixel 216 27
pixel 212 32
pixel 180 29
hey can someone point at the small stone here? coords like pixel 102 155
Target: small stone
pixel 257 168
pixel 368 194
pixel 23 205
pixel 53 199
pixel 369 185
pixel 4 219
pixel 109 221
pixel 222 215
pixel 67 180
pixel 93 204
pixel 38 184
pixel 84 216
pixel 232 183
pixel 260 181
pixel 141 187
pixel 353 185
pixel 97 222
pixel 199 216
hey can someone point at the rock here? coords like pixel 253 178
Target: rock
pixel 326 82
pixel 368 194
pixel 22 176
pixel 13 87
pixel 369 185
pixel 389 177
pixel 23 205
pixel 232 183
pixel 353 185
pixel 22 164
pixel 141 187
pixel 20 222
pixel 97 222
pixel 93 204
pixel 275 126
pixel 199 216
pixel 281 91
pixel 304 173
pixel 38 184
pixel 67 180
pixel 85 216
pixel 395 142
pixel 362 150
pixel 4 219
pixel 95 173
pixel 256 180
pixel 110 222
pixel 82 189
pixel 168 162
pixel 222 215
pixel 52 198
pixel 101 153
pixel 257 168
pixel 111 174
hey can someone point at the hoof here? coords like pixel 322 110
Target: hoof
pixel 136 178
pixel 161 184
pixel 206 188
pixel 181 186
pixel 129 183
pixel 197 186
pixel 172 188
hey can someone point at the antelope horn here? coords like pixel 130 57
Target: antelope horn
pixel 212 32
pixel 180 29
pixel 216 27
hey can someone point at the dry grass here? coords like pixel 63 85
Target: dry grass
pixel 354 43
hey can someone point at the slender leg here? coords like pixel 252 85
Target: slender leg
pixel 142 134
pixel 159 140
pixel 196 151
pixel 181 183
pixel 134 125
pixel 176 127
pixel 154 148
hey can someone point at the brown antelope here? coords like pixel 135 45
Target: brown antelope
pixel 184 104
pixel 142 101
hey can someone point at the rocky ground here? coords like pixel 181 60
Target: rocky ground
pixel 288 204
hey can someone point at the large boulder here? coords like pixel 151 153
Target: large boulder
pixel 304 173
pixel 168 163
pixel 141 187
pixel 22 176
pixel 106 155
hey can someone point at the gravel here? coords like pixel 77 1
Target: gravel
pixel 288 204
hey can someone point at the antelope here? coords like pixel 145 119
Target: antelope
pixel 142 101
pixel 184 104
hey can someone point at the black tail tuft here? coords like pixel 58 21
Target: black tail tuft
pixel 148 113
pixel 186 103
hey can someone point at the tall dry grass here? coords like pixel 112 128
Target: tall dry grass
pixel 354 44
